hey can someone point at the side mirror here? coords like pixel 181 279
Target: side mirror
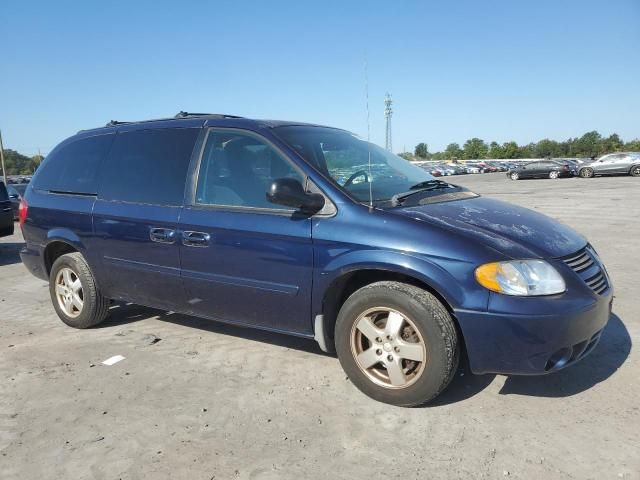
pixel 290 192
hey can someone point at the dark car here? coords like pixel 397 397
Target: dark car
pixel 540 169
pixel 622 163
pixel 6 213
pixel 244 221
pixel 15 196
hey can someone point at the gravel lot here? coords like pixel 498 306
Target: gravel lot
pixel 212 401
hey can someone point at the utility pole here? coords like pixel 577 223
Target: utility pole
pixel 388 111
pixel 4 171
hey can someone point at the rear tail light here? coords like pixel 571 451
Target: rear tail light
pixel 22 211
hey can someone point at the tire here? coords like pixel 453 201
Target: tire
pixel 514 176
pixel 71 269
pixel 586 172
pixel 635 171
pixel 426 331
pixel 553 174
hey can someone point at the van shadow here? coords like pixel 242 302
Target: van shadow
pixel 121 314
pixel 10 253
pixel 603 362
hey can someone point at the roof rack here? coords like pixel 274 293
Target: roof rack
pixel 182 114
pixel 113 123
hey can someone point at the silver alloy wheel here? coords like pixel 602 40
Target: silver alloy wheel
pixel 515 176
pixel 388 348
pixel 553 174
pixel 69 292
pixel 586 173
pixel 635 171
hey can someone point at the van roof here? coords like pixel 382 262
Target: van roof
pixel 187 119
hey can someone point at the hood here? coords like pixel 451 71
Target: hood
pixel 515 231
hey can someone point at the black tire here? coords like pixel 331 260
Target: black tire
pixel 635 171
pixel 434 324
pixel 586 172
pixel 95 306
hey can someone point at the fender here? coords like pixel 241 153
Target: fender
pixel 63 235
pixel 436 272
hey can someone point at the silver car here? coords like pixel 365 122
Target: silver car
pixel 612 164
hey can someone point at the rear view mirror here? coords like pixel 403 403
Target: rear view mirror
pixel 290 192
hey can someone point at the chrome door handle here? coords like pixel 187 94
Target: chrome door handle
pixel 162 235
pixel 195 239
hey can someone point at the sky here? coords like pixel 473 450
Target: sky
pixel 499 70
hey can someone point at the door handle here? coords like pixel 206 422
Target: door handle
pixel 162 235
pixel 195 239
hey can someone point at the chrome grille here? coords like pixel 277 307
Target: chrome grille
pixel 589 269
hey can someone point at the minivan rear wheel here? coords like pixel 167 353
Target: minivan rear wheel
pixel 397 343
pixel 74 292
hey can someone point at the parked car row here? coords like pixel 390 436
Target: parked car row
pixel 611 164
pixel 446 169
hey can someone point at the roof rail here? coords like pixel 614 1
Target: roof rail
pixel 113 123
pixel 182 114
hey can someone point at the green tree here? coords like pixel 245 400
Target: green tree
pixel 633 145
pixel 406 155
pixel 453 152
pixel 588 145
pixel 547 148
pixel 422 150
pixel 495 151
pixel 612 143
pixel 475 148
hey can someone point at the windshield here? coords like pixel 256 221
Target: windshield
pixel 345 159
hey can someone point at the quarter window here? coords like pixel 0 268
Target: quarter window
pixel 72 167
pixel 148 166
pixel 237 169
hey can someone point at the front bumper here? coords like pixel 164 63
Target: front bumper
pixel 532 344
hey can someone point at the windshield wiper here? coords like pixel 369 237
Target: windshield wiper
pixel 425 186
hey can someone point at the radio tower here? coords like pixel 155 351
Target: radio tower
pixel 388 111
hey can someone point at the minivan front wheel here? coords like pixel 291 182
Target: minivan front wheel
pixel 397 343
pixel 74 293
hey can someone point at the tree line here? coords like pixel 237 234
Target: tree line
pixel 591 144
pixel 18 164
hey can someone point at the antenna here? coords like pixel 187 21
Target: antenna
pixel 366 88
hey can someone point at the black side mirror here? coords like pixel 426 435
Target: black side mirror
pixel 290 192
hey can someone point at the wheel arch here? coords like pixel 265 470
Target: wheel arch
pixel 60 242
pixel 345 284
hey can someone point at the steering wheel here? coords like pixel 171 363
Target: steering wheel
pixel 356 175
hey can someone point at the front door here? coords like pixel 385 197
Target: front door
pixel 245 260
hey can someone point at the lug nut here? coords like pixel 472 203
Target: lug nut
pixel 397 349
pixel 378 339
pixel 390 358
pixel 378 352
pixel 389 337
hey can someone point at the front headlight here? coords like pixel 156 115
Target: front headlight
pixel 521 277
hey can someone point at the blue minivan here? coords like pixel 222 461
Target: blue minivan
pixel 311 231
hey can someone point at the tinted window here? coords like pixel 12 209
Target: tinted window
pixel 237 169
pixel 148 166
pixel 72 167
pixel 3 192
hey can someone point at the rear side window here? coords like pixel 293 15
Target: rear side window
pixel 72 167
pixel 3 192
pixel 148 166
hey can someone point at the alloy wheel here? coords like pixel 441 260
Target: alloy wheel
pixel 69 292
pixel 635 171
pixel 553 174
pixel 515 176
pixel 586 173
pixel 388 348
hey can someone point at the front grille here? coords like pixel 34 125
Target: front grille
pixel 586 264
